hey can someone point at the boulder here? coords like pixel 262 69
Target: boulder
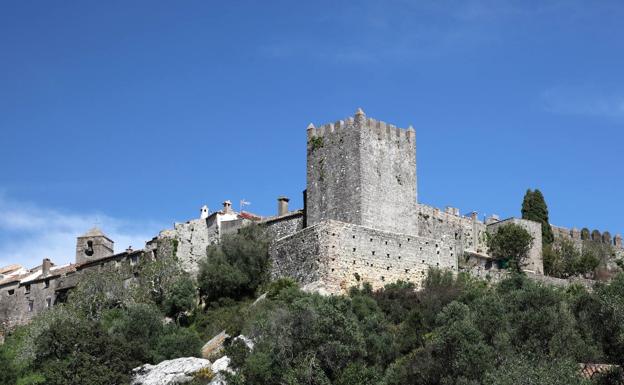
pixel 219 368
pixel 222 365
pixel 213 347
pixel 178 371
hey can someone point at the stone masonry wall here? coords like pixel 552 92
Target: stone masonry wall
pixel 388 182
pixel 469 232
pixel 610 248
pixel 362 171
pixel 279 227
pixel 333 173
pixel 301 256
pixel 193 238
pixel 574 235
pixel 333 256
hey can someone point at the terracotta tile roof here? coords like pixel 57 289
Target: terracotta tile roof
pixel 10 268
pixel 14 278
pixel 250 216
pixel 588 371
pixel 35 274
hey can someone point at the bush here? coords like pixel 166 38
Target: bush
pixel 8 373
pixel 180 298
pixel 512 244
pixel 563 258
pixel 176 342
pixel 235 268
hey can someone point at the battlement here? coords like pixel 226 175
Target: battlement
pixel 360 121
pixel 585 234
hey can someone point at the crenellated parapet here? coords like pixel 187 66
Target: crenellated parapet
pixel 361 121
pixel 585 234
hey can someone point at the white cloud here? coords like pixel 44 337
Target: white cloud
pixel 29 233
pixel 583 100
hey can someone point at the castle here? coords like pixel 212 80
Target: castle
pixel 361 222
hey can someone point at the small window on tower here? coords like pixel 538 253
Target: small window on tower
pixel 31 305
pixel 89 250
pixel 48 302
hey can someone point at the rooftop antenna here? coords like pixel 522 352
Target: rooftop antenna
pixel 243 203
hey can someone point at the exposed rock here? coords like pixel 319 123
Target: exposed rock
pixel 222 365
pixel 214 346
pixel 219 368
pixel 178 371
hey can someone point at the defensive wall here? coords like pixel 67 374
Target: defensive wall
pixel 332 256
pixel 469 231
pixel 608 248
pixel 577 237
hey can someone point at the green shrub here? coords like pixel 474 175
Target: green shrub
pixel 176 342
pixel 235 268
pixel 511 243
pixel 180 298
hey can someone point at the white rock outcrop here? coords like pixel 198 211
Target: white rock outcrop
pixel 169 372
pixel 222 365
pixel 219 368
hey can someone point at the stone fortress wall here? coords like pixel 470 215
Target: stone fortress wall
pixel 584 238
pixel 332 256
pixel 468 231
pixel 578 236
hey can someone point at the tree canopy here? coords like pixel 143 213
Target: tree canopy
pixel 512 244
pixel 534 208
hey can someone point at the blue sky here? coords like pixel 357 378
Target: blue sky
pixel 133 114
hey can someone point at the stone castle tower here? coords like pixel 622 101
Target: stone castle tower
pixel 93 245
pixel 362 171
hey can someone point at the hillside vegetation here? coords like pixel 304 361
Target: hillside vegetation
pixel 456 330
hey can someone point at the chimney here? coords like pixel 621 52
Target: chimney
pixel 282 206
pixel 203 213
pixel 227 207
pixel 45 267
